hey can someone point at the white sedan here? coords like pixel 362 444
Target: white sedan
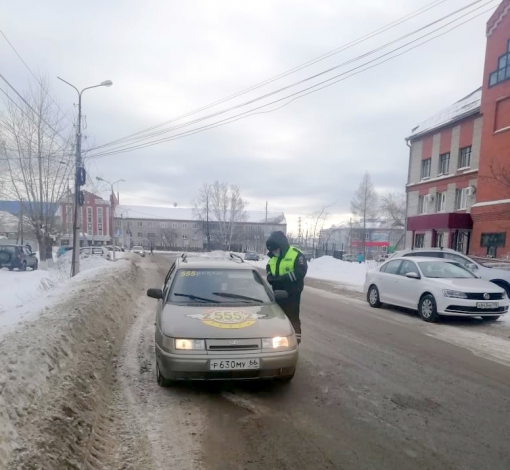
pixel 434 287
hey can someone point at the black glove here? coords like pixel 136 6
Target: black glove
pixel 271 278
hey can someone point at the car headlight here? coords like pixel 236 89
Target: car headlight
pixel 189 344
pixel 278 342
pixel 454 294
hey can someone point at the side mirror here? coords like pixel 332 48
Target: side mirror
pixel 413 275
pixel 472 266
pixel 155 293
pixel 280 295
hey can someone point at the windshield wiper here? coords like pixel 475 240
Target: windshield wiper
pixel 194 297
pixel 237 296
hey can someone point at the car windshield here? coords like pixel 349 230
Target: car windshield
pixel 219 285
pixel 444 270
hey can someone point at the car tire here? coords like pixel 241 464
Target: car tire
pixel 427 309
pixel 490 319
pixel 162 381
pixel 36 265
pixel 23 266
pixel 373 297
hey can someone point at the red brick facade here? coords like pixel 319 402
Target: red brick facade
pixel 491 213
pixel 95 220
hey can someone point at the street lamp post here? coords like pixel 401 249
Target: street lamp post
pixel 79 178
pixel 112 208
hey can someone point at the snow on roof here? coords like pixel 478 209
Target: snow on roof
pixel 187 213
pixel 467 106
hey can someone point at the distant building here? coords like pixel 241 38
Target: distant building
pixel 178 228
pixel 94 219
pixel 379 238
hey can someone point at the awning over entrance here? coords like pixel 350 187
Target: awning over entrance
pixel 442 221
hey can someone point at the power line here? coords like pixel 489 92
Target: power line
pixel 27 103
pixel 36 78
pixel 288 72
pixel 294 96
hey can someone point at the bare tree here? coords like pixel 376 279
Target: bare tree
pixel 317 221
pixel 365 205
pixel 36 160
pixel 393 209
pixel 223 204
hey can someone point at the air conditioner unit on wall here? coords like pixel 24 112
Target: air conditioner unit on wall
pixel 470 191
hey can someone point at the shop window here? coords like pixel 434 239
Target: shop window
pixel 419 240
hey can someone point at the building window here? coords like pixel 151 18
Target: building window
pixel 151 235
pixel 441 202
pixel 117 223
pixel 164 225
pixel 184 226
pixel 367 236
pixel 196 226
pixel 89 215
pixel 422 205
pixel 100 221
pixel 440 239
pixel 140 235
pixel 425 168
pixel 184 237
pixel 444 163
pixel 151 224
pixel 461 199
pixel 465 157
pixel 175 225
pixel 419 240
pixel 89 229
pixel 139 224
pixel 502 73
pixel 195 237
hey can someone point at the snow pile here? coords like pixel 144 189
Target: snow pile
pixel 327 268
pixel 23 292
pixel 54 370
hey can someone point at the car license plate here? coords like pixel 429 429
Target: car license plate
pixel 487 305
pixel 234 364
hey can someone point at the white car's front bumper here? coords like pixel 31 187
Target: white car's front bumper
pixel 467 307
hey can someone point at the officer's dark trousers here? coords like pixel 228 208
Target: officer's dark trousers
pixel 291 306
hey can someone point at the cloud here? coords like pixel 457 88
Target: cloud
pixel 167 58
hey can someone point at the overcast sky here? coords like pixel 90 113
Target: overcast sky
pixel 169 57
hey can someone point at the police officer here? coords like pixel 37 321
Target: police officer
pixel 286 270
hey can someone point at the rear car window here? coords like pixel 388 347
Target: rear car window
pixel 391 267
pixel 218 286
pixel 426 254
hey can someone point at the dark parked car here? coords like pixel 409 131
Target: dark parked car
pixel 17 257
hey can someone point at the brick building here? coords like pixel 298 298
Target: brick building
pixel 491 213
pixel 443 171
pixel 94 219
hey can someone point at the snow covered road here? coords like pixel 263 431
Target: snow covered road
pixel 375 389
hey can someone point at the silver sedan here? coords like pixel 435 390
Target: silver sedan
pixel 219 320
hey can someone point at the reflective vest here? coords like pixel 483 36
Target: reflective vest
pixel 279 266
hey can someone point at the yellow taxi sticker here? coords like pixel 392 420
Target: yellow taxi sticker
pixel 228 318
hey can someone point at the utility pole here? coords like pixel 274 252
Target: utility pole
pixel 266 234
pixel 300 234
pixel 208 235
pixel 79 179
